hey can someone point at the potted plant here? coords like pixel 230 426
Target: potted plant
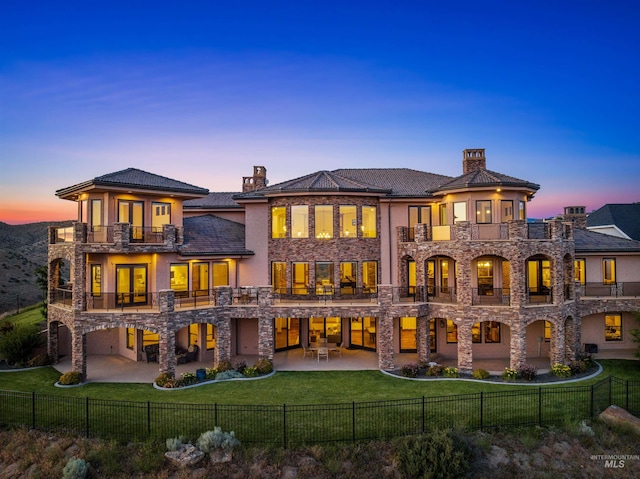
pixel 218 444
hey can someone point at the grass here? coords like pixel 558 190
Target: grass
pixel 31 315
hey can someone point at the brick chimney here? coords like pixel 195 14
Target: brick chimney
pixel 473 159
pixel 577 215
pixel 255 182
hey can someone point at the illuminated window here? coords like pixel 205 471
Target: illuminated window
pixel 160 215
pixel 324 221
pixel 547 331
pixel 300 278
pixel 433 338
pixel 370 276
pixel 579 271
pixel 96 214
pixel 613 327
pixel 131 338
pixel 220 273
pixel 278 222
pixel 459 211
pixel 348 223
pixel 279 276
pixel 483 212
pixel 521 211
pixel 452 332
pixel 506 207
pixel 324 278
pixel 200 274
pixel 476 334
pixel 96 280
pixel 442 214
pixel 609 270
pixel 211 337
pixel 300 221
pixel 348 277
pixel 369 220
pixel 179 279
pixel 491 332
pixel 150 338
pixel 194 332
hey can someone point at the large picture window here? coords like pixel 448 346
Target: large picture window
pixel 179 278
pixel 459 211
pixel 279 276
pixel 324 221
pixel 579 272
pixel 483 212
pixel 348 277
pixel 348 222
pixel 370 276
pixel 369 221
pixel 131 284
pixel 452 332
pixel 220 273
pixel 300 221
pixel 300 278
pixel 324 278
pixel 200 273
pixel 278 222
pixel 613 327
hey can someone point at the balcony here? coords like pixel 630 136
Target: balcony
pixel 491 296
pixel 325 294
pixel 615 290
pixel 441 294
pixel 118 233
pixel 539 296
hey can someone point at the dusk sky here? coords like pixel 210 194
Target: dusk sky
pixel 203 91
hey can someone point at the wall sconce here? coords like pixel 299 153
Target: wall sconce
pixel 442 323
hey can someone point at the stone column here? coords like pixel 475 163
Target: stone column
pixel 265 337
pixel 518 353
pixel 52 341
pixel 385 328
pixel 556 352
pixel 167 349
pixel 465 353
pixel 223 341
pixel 79 351
pixel 422 339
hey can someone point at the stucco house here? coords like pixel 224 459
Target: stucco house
pixel 389 260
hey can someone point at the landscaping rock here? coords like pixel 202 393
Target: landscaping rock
pixel 187 456
pixel 616 416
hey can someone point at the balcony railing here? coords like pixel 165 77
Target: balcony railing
pixel 195 298
pixel 119 232
pixel 616 290
pixel 100 234
pixel 62 296
pixel 539 296
pixel 64 235
pixel 325 293
pixel 441 294
pixel 410 294
pixel 493 296
pixel 122 301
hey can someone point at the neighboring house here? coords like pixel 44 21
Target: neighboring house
pixel 389 260
pixel 621 220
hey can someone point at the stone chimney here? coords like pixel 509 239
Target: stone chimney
pixel 577 215
pixel 473 159
pixel 255 182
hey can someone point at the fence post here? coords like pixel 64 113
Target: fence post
pixel 423 419
pixel 481 409
pixel 33 409
pixel 610 387
pixel 540 406
pixel 86 412
pixel 626 395
pixel 284 424
pixel 215 413
pixel 353 420
pixel 592 402
pixel 148 419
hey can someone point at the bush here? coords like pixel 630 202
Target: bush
pixel 188 378
pixel 210 373
pixel 175 443
pixel 527 372
pixel 578 366
pixel 410 370
pixel 509 374
pixel 75 469
pixel 224 365
pixel 217 439
pixel 228 375
pixel 480 374
pixel 250 372
pixel 450 372
pixel 438 454
pixel 240 366
pixel 436 370
pixel 17 344
pixel 39 360
pixel 163 379
pixel 70 378
pixel 264 366
pixel 561 371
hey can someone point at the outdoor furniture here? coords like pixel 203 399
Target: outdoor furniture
pixel 151 352
pixel 192 353
pixel 181 356
pixel 306 351
pixel 323 352
pixel 338 349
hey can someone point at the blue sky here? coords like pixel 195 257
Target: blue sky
pixel 202 91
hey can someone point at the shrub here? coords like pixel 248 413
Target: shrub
pixel 527 372
pixel 436 370
pixel 163 379
pixel 509 374
pixel 450 372
pixel 438 454
pixel 228 375
pixel 72 377
pixel 175 443
pixel 224 365
pixel 264 366
pixel 587 358
pixel 561 371
pixel 250 372
pixel 17 344
pixel 75 469
pixel 217 439
pixel 423 364
pixel 188 378
pixel 39 360
pixel 211 373
pixel 240 366
pixel 410 370
pixel 480 374
pixel 578 366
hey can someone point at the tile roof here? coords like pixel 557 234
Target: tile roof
pixel 483 177
pixel 626 216
pixel 138 179
pixel 213 200
pixel 212 235
pixel 593 242
pixel 323 181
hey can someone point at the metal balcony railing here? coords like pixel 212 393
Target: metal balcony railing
pixel 491 296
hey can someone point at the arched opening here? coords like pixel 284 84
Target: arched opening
pixel 440 279
pixel 491 278
pixel 538 279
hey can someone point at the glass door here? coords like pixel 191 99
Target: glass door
pixel 287 333
pixel 329 328
pixel 363 332
pixel 408 335
pixel 131 285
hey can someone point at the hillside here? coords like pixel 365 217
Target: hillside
pixel 23 248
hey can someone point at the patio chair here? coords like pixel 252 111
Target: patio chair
pixel 338 349
pixel 192 353
pixel 323 352
pixel 306 351
pixel 152 351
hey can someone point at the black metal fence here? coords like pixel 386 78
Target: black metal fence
pixel 290 425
